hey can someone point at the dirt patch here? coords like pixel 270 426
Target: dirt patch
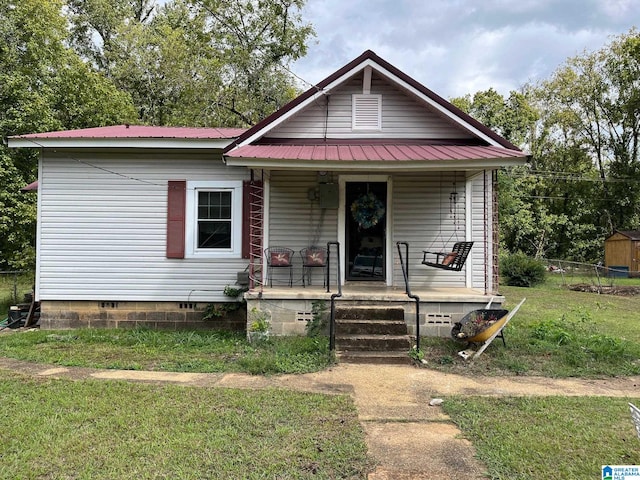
pixel 621 290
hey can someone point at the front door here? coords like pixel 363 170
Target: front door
pixel 365 230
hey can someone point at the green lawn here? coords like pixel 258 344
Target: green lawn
pixel 557 333
pixel 532 438
pixel 181 351
pixel 116 430
pixel 119 430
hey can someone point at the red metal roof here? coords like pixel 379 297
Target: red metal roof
pixel 374 152
pixel 141 131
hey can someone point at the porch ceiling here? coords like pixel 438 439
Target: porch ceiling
pixel 388 156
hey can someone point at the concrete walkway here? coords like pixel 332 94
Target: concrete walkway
pixel 407 438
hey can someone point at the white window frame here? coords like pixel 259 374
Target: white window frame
pixel 191 224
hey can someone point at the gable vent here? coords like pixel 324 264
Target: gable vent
pixel 367 112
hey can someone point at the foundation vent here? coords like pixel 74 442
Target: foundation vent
pixel 304 316
pixel 188 306
pixel 110 305
pixel 438 319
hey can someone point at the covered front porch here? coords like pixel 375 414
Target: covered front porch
pixel 439 307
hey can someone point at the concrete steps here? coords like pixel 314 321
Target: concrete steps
pixel 372 334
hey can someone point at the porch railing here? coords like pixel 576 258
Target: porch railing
pixel 332 319
pixel 404 264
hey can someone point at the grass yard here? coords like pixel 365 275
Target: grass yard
pixel 556 333
pixel 547 437
pixel 94 429
pixel 181 351
pixel 106 430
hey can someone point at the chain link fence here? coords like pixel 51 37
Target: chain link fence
pixel 16 287
pixel 592 277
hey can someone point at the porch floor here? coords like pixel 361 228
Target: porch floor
pixel 368 291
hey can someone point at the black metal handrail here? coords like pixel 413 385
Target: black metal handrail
pixel 407 288
pixel 332 320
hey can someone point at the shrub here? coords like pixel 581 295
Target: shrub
pixel 319 321
pixel 519 270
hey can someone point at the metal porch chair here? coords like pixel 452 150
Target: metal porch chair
pixel 279 257
pixel 313 257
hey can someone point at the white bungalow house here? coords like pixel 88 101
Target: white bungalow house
pixel 147 225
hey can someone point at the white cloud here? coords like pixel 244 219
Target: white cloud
pixel 456 47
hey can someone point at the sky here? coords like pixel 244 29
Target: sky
pixel 459 47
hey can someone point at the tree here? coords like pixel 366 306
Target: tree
pixel 43 86
pixel 596 98
pixel 511 117
pixel 196 62
pixel 255 39
pixel 547 208
pixel 95 24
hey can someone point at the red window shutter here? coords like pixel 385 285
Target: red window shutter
pixel 176 218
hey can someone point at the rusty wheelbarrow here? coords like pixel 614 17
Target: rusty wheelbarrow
pixel 482 326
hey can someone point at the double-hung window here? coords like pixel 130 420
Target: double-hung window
pixel 214 219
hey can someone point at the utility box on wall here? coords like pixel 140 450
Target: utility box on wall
pixel 328 195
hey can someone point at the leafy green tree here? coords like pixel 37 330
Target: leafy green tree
pixel 95 24
pixel 596 99
pixel 43 86
pixel 25 27
pixel 512 117
pixel 196 62
pixel 255 38
pixel 582 128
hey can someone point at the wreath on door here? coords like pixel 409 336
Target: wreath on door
pixel 367 210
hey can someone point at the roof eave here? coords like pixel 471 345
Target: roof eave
pixel 96 143
pixel 369 165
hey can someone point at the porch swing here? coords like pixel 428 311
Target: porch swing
pixel 454 258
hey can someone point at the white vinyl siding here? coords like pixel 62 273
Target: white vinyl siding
pixel 401 116
pixel 103 223
pixel 295 221
pixel 422 218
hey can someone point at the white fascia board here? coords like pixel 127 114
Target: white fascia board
pixel 377 166
pixel 97 143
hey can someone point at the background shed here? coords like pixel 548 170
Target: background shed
pixel 622 253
